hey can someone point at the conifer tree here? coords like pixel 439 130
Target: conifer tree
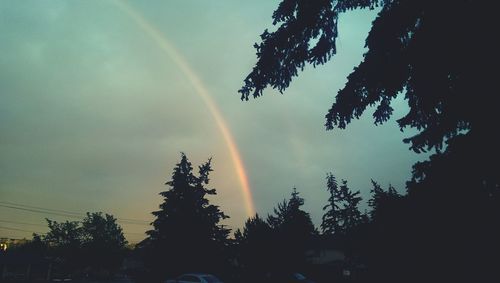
pixel 292 231
pixel 254 247
pixel 187 233
pixel 331 218
pixel 342 212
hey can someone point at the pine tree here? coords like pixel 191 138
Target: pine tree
pixel 254 246
pixel 352 217
pixel 331 219
pixel 187 233
pixel 439 56
pixel 342 212
pixel 292 231
pixel 384 203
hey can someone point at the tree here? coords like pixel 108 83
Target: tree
pixel 384 204
pixel 35 246
pixel 64 234
pixel 187 233
pixel 96 244
pixel 103 242
pixel 289 216
pixel 441 67
pixel 292 232
pixel 64 240
pixel 342 213
pixel 439 55
pixel 331 219
pixel 254 246
pixel 351 215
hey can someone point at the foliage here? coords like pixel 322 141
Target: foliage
pixel 187 233
pixel 96 244
pixel 439 65
pixel 254 246
pixel 99 229
pixel 440 56
pixel 292 232
pixel 342 213
pixel 423 56
pixel 67 235
pixel 383 203
pixel 102 242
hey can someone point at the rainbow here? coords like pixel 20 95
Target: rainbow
pixel 169 49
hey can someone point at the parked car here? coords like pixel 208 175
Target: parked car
pixel 195 277
pixel 298 277
pixel 283 277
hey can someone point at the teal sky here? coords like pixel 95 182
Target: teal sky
pixel 93 115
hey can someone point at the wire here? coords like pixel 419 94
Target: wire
pixel 41 225
pixel 65 212
pixel 22 223
pixel 42 208
pixel 75 216
pixel 29 231
pixel 38 211
pixel 58 212
pixel 22 230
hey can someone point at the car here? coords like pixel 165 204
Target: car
pixel 284 277
pixel 195 277
pixel 298 277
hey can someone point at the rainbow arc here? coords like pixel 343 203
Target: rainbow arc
pixel 169 49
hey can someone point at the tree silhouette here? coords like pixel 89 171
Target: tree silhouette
pixel 439 55
pixel 292 232
pixel 383 203
pixel 65 242
pixel 254 248
pixel 187 234
pixel 439 65
pixel 96 244
pixel 64 234
pixel 103 243
pixel 331 218
pixel 342 213
pixel 351 215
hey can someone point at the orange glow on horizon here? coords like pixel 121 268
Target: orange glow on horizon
pixel 202 91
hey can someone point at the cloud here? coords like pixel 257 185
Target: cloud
pixel 93 115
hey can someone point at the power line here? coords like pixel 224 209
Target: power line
pixel 41 225
pixel 39 211
pixel 75 216
pixel 58 212
pixel 65 212
pixel 22 223
pixel 29 231
pixel 42 208
pixel 16 229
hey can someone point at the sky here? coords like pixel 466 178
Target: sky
pixel 94 113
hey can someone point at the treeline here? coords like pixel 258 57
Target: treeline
pixel 188 234
pixel 441 229
pixel 92 248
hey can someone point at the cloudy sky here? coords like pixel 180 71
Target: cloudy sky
pixel 94 114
